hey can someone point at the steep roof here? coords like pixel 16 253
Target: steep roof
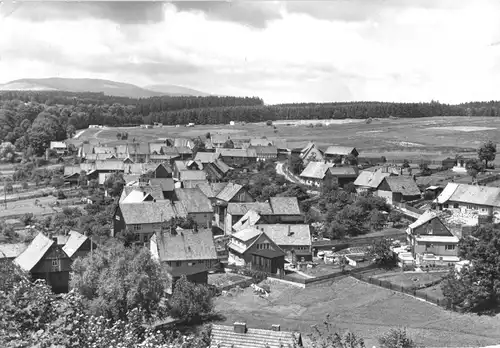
pixel 229 191
pixel 424 218
pixel 74 242
pixel 70 170
pixel 211 190
pixel 151 212
pixel 223 167
pixel 186 245
pixel 104 149
pixel 155 147
pixel 236 152
pixel 155 191
pixel 340 150
pixel 285 205
pixel 35 251
pixel 249 219
pixel 223 336
pixel 206 157
pixel 316 170
pixel 370 179
pixel 184 150
pixel 194 200
pixel 242 208
pixel 287 234
pixel 12 250
pixel 189 175
pixel 181 165
pixel 137 196
pixel 247 234
pixel 403 184
pixel 265 150
pixel 219 138
pixel 166 184
pixel 473 194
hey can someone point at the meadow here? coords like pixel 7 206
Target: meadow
pixel 410 138
pixel 362 308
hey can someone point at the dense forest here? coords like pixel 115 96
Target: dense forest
pixel 31 119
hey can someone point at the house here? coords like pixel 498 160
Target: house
pixel 144 218
pixel 341 176
pixel 137 194
pixel 167 186
pixel 190 178
pixel 369 181
pixel 185 252
pixel 206 157
pixel 229 192
pixel 294 240
pixel 286 210
pixel 45 258
pixel 315 172
pixel 237 157
pixel 254 249
pixel 163 170
pixel 432 240
pixel 180 166
pixel 471 201
pixel 138 152
pixel 309 153
pixel 59 147
pixel 238 335
pixel 339 154
pixel 216 170
pixel 78 245
pixel 236 211
pixel 218 140
pixel 196 205
pixel 259 142
pixel 163 158
pixel 398 189
pixel 265 152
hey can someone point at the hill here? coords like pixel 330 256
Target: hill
pixel 107 87
pixel 174 90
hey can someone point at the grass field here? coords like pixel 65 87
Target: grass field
pixel 28 206
pixel 365 309
pixel 409 138
pixel 221 280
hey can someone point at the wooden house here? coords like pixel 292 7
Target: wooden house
pixel 339 154
pixel 237 157
pixel 254 249
pixel 295 239
pixel 265 153
pixel 398 189
pixel 196 205
pixel 369 181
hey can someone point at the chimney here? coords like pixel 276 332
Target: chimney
pixel 275 327
pixel 240 327
pixel 54 239
pixel 290 230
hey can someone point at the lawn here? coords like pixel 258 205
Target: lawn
pixel 321 269
pixel 363 308
pixel 412 279
pixel 410 138
pixel 221 280
pixel 28 206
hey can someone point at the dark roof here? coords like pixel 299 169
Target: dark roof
pixel 285 205
pixel 347 172
pixel 403 184
pixel 229 191
pixel 35 251
pixel 185 245
pixel 177 272
pixel 166 184
pixel 74 242
pixel 269 253
pixel 194 200
pixel 151 212
pixel 223 336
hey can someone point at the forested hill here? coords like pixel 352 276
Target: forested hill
pixel 34 118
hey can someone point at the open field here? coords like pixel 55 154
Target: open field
pixel 28 206
pixel 365 309
pixel 221 280
pixel 410 138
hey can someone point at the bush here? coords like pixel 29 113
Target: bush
pixel 61 194
pixel 269 123
pixel 25 185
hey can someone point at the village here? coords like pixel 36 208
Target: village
pixel 249 214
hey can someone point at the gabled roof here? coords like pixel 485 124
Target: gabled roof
pixel 344 172
pixel 151 212
pixel 35 251
pixel 137 196
pixel 183 142
pixel 265 150
pixel 169 150
pixel 211 190
pixel 285 205
pixel 138 149
pixel 194 200
pixel 223 167
pixel 12 250
pixel 184 150
pixel 189 175
pixel 403 184
pixel 186 245
pixel 109 165
pixel 155 147
pixel 224 337
pixel 219 138
pixel 166 184
pixel 370 179
pixel 287 234
pixel 229 191
pixel 166 166
pixel 247 234
pixel 181 165
pixel 472 194
pixel 70 170
pixel 74 242
pixel 249 219
pixel 316 170
pixel 243 208
pixel 155 191
pixel 206 157
pixel 340 150
pixel 424 218
pixel 236 152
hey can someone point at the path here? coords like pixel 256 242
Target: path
pixel 78 134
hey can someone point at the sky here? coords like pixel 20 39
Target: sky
pixel 281 51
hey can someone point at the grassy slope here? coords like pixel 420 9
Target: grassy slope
pixel 365 309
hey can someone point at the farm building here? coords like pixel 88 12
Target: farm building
pixel 398 189
pixel 369 181
pixel 197 205
pixel 339 154
pixel 294 240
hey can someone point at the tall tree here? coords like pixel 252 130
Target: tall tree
pixel 487 152
pixel 190 301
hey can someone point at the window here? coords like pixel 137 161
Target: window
pixel 445 205
pixel 117 217
pixel 137 237
pixel 55 263
pixel 178 263
pixel 191 263
pixel 455 205
pixel 449 247
pixel 137 227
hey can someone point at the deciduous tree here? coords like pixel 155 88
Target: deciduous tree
pixel 487 152
pixel 190 301
pixel 397 338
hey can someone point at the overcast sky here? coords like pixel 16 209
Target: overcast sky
pixel 336 50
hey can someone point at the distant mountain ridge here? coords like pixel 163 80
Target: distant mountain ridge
pixel 108 87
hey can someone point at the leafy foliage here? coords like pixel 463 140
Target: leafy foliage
pixel 190 301
pixel 7 152
pixel 381 252
pixel 324 336
pixel 487 152
pixel 396 338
